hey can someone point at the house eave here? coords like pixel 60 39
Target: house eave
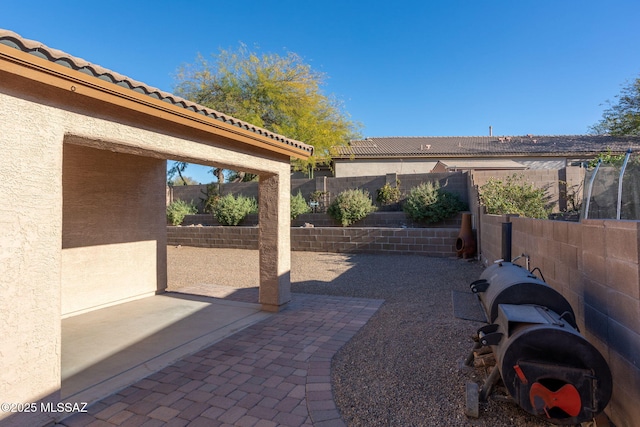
pixel 33 68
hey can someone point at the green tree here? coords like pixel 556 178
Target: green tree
pixel 183 180
pixel 623 116
pixel 279 93
pixel 241 177
pixel 176 169
pixel 299 205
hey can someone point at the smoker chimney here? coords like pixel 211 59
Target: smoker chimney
pixel 490 130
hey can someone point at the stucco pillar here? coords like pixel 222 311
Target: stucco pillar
pixel 274 240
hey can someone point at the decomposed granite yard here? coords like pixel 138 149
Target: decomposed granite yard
pixel 401 368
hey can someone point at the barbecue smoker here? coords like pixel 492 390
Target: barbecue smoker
pixel 548 368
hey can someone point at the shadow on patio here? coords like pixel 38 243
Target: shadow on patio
pixel 108 349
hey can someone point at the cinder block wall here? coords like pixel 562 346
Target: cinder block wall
pixel 454 182
pixel 213 237
pixel 375 219
pixel 436 242
pixel 595 264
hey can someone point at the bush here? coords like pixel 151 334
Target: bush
pixel 177 210
pixel 212 195
pixel 428 203
pixel 388 195
pixel 351 206
pixel 298 205
pixel 230 210
pixel 514 196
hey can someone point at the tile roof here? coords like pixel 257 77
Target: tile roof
pixel 462 146
pixel 36 48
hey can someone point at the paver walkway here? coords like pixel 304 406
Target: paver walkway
pixel 273 373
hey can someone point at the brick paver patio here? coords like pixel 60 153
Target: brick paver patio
pixel 274 373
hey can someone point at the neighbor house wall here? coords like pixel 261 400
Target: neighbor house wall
pixel 595 264
pixel 359 167
pixel 348 168
pixel 114 222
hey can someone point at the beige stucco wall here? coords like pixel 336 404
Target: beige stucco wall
pixel 366 167
pixel 30 236
pixel 347 168
pixel 113 222
pixel 124 272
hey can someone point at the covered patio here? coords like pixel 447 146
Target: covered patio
pixel 84 228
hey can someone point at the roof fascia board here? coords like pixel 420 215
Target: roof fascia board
pixel 28 66
pixel 436 156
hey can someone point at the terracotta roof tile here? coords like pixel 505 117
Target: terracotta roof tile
pixel 36 48
pixel 433 146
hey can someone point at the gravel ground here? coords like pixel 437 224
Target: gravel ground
pixel 402 368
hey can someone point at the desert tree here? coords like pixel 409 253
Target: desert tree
pixel 282 94
pixel 622 117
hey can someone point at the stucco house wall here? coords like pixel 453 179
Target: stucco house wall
pixel 366 167
pixel 30 256
pixel 113 221
pixel 373 167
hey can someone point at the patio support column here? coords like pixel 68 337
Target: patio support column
pixel 274 239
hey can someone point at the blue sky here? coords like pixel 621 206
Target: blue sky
pixel 403 68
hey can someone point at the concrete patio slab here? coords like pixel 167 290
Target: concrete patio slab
pixel 111 348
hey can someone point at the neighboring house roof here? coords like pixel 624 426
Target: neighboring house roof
pixel 492 164
pixel 474 146
pixel 11 39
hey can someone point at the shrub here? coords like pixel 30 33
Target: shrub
pixel 351 206
pixel 388 195
pixel 177 210
pixel 318 196
pixel 212 195
pixel 429 203
pixel 513 196
pixel 230 210
pixel 298 205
